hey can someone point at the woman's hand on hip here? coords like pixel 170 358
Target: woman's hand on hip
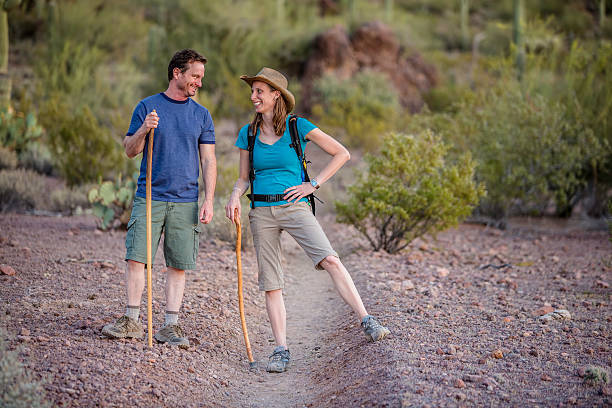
pixel 296 193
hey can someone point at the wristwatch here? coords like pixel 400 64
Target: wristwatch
pixel 314 183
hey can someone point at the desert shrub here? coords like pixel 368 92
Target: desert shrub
pixel 18 388
pixel 596 376
pixel 112 201
pixel 37 157
pixel 365 107
pixel 18 129
pixel 82 149
pixel 8 158
pixel 410 190
pixel 529 155
pixel 68 200
pixel 584 88
pixel 21 190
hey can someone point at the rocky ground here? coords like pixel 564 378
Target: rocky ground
pixel 465 312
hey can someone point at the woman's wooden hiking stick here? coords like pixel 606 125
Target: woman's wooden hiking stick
pixel 252 363
pixel 149 260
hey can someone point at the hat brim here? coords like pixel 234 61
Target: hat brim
pixel 289 98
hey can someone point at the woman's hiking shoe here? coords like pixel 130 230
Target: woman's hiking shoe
pixel 373 330
pixel 124 327
pixel 173 335
pixel 279 360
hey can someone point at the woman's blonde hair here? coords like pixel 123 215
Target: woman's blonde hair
pixel 279 119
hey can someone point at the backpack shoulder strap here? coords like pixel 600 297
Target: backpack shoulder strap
pixel 251 147
pixel 297 146
pixel 295 136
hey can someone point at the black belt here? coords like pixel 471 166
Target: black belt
pixel 266 198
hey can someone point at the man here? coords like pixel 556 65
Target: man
pixel 183 130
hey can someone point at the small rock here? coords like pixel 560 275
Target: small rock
pixel 508 319
pixel 24 331
pixel 442 272
pixel 7 270
pixel 460 396
pixel 527 334
pixel 607 390
pixel 407 285
pixel 559 314
pixel 472 378
pixel 601 284
pixel 459 383
pixel 543 311
pixel 572 400
pixel 497 354
pixel 546 377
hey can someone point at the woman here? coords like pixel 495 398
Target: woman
pixel 278 176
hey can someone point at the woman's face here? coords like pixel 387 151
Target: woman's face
pixel 263 97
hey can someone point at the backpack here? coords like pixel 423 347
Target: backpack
pixel 296 145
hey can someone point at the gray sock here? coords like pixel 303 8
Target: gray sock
pixel 133 312
pixel 171 318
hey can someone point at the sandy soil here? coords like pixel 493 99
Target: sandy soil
pixel 465 331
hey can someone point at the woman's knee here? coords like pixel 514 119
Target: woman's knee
pixel 330 262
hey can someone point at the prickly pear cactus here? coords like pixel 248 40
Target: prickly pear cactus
pixel 112 202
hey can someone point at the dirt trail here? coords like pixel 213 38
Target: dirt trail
pixel 309 296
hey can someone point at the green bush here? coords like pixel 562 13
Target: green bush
pixel 18 388
pixel 17 130
pixel 529 155
pixel 37 157
pixel 410 190
pixel 68 200
pixel 112 201
pixel 82 149
pixel 8 159
pixel 365 107
pixel 21 190
pixel 595 375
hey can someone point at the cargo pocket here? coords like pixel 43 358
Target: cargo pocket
pixel 129 238
pixel 196 241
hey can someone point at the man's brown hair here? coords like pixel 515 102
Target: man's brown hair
pixel 181 60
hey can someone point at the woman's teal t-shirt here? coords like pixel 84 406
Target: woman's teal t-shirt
pixel 277 166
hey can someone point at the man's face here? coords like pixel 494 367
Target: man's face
pixel 191 80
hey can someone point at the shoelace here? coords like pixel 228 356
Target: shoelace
pixel 175 332
pixel 372 324
pixel 279 355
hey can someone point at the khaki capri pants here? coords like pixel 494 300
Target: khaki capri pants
pixel 267 223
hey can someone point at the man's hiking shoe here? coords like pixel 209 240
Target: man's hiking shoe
pixel 279 360
pixel 173 335
pixel 124 327
pixel 373 330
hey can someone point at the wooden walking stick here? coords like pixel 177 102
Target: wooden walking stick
pixel 149 256
pixel 252 363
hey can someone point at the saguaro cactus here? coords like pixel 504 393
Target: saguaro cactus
pixel 465 32
pixel 389 9
pixel 5 80
pixel 519 23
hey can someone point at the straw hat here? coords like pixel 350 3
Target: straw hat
pixel 276 80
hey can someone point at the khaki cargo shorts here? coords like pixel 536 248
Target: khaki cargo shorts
pixel 180 225
pixel 267 223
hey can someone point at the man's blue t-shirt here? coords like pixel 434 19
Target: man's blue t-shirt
pixel 277 166
pixel 182 127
